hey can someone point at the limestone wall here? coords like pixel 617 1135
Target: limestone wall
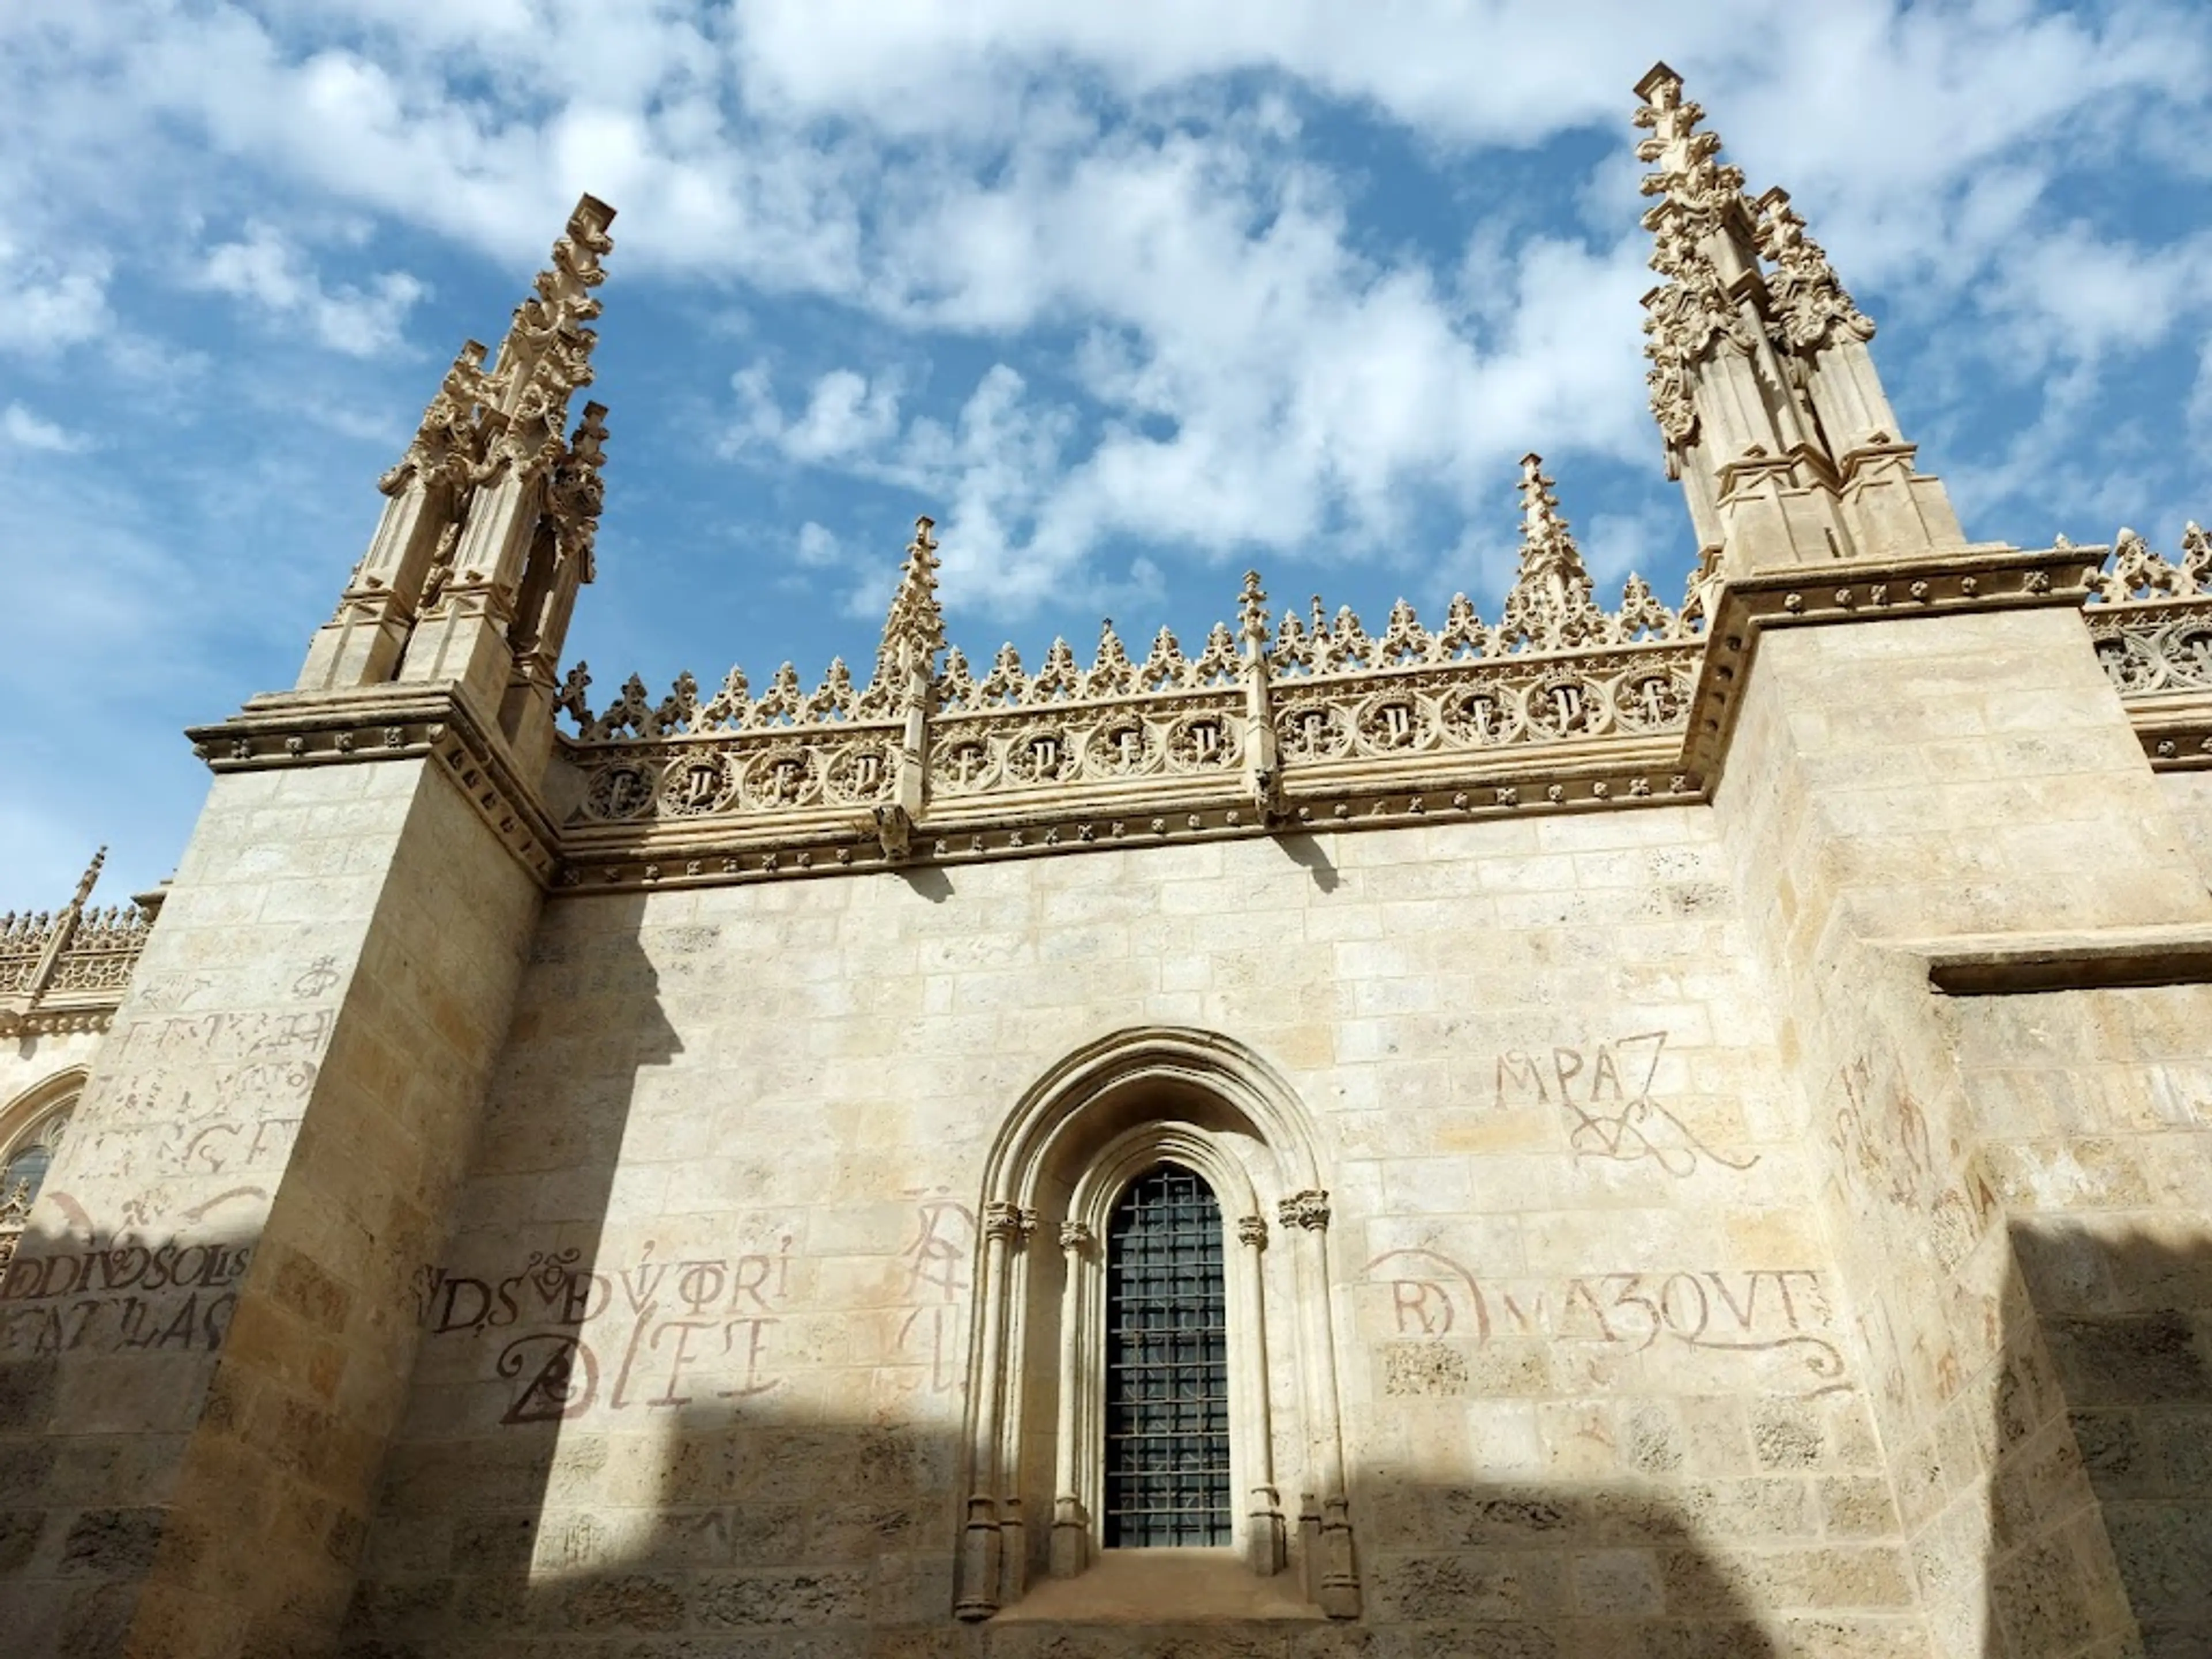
pixel 203 1337
pixel 2190 796
pixel 1999 1170
pixel 693 1362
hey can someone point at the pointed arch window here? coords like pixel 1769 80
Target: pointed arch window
pixel 1168 1466
pixel 30 1154
pixel 1125 1391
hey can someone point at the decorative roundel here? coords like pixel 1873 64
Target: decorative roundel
pixel 962 762
pixel 781 776
pixel 1039 755
pixel 1313 731
pixel 1120 748
pixel 1566 706
pixel 623 790
pixel 2128 660
pixel 697 783
pixel 2188 656
pixel 1199 743
pixel 1484 714
pixel 860 772
pixel 1649 699
pixel 1394 721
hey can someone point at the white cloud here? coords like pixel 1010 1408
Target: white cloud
pixel 22 429
pixel 54 307
pixel 271 273
pixel 846 416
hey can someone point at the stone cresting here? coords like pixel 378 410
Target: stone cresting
pixel 1314 721
pixel 2150 620
pixel 67 970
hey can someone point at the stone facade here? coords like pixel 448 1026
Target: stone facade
pixel 1707 1105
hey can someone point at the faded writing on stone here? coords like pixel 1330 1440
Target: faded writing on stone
pixel 1604 1092
pixel 654 1334
pixel 1742 1310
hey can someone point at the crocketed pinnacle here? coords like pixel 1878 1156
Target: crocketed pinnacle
pixel 1807 299
pixel 85 882
pixel 1699 199
pixel 914 628
pixel 515 412
pixel 1550 607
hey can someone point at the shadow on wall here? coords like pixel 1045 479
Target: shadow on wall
pixel 598 1461
pixel 760 1530
pixel 515 1317
pixel 109 1345
pixel 2106 1398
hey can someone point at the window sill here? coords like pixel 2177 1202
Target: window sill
pixel 1161 1586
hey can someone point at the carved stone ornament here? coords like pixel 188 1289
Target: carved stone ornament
pixel 1691 308
pixel 1550 607
pixel 1074 1235
pixel 1010 1221
pixel 1252 1230
pixel 1807 302
pixel 2138 572
pixel 68 969
pixel 1307 1209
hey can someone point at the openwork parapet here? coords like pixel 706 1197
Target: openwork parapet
pixel 67 969
pixel 2150 618
pixel 1274 720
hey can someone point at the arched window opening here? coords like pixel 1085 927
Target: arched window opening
pixel 29 1157
pixel 1124 1389
pixel 1168 1475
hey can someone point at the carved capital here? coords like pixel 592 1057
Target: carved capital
pixel 1002 1220
pixel 1252 1230
pixel 1074 1237
pixel 1307 1209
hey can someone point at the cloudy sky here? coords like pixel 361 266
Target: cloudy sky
pixel 1128 296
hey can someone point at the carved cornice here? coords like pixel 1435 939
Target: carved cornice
pixel 1989 578
pixel 715 860
pixel 391 723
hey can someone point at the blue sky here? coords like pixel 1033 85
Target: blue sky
pixel 1127 296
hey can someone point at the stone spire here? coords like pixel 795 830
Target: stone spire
pixel 1891 505
pixel 904 684
pixel 86 882
pixel 490 513
pixel 1808 299
pixel 1740 432
pixel 914 628
pixel 1551 607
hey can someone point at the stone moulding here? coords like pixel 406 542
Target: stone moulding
pixel 287 731
pixel 2012 964
pixel 1986 578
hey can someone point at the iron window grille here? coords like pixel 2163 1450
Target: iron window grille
pixel 1167 1365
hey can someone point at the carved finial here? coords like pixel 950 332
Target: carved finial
pixel 1697 195
pixel 86 882
pixel 914 628
pixel 449 444
pixel 578 494
pixel 1807 299
pixel 1550 607
pixel 1686 174
pixel 572 701
pixel 2196 555
pixel 547 353
pixel 1252 609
